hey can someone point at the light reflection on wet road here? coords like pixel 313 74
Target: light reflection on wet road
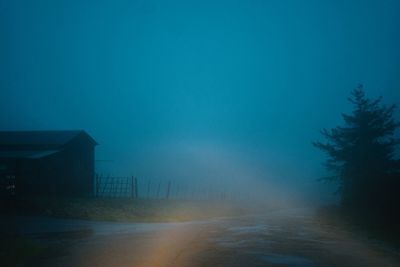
pixel 284 238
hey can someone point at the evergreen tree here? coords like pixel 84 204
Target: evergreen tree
pixel 361 156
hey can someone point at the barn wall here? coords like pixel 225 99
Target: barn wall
pixel 7 176
pixel 26 173
pixel 68 172
pixel 81 155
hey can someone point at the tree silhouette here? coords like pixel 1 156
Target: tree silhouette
pixel 361 156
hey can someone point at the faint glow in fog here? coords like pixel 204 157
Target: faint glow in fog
pixel 223 167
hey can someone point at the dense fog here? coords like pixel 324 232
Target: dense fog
pixel 219 93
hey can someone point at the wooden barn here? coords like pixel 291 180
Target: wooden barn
pixel 46 163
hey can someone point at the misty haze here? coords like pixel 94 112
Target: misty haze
pixel 199 133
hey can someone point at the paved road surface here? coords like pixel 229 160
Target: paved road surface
pixel 282 238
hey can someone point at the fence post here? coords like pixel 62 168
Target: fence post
pixel 105 184
pixel 148 189
pixel 113 186
pixel 97 185
pixel 132 187
pixel 136 188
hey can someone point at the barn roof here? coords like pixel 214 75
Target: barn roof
pixel 39 138
pixel 27 154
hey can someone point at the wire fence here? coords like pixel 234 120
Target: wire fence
pixel 133 187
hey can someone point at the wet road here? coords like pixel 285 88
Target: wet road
pixel 281 238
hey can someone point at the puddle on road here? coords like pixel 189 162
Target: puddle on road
pixel 228 242
pixel 287 260
pixel 249 229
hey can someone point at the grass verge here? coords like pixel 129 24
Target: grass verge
pixel 124 210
